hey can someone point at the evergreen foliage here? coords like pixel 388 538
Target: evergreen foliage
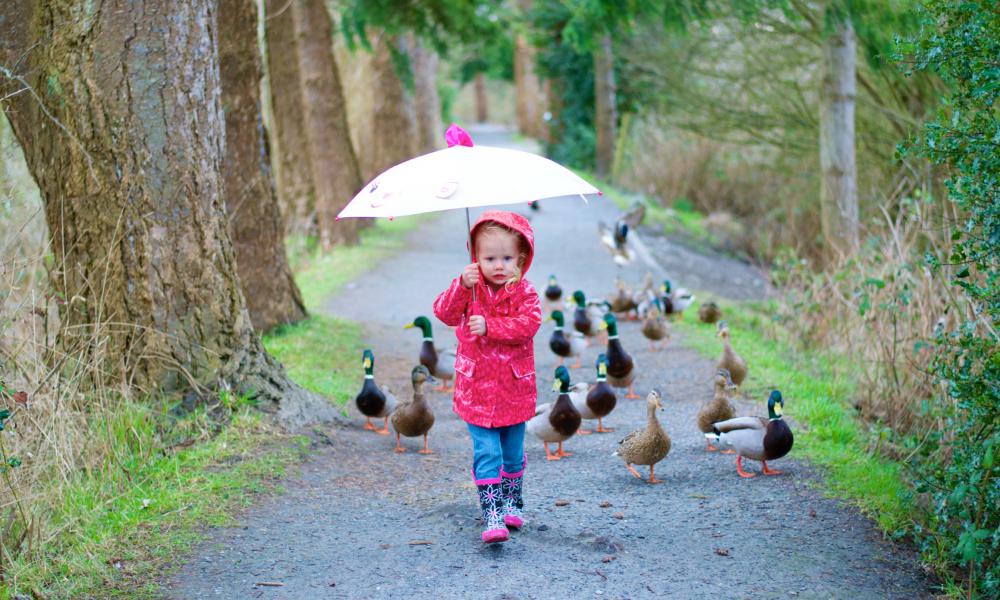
pixel 961 43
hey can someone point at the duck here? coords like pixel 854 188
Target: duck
pixel 556 422
pixel 623 300
pixel 616 241
pixel 441 363
pixel 730 360
pixel 718 408
pixel 646 446
pixel 709 312
pixel 553 293
pixel 674 300
pixel 654 326
pixel 414 418
pixel 598 401
pixel 757 438
pixel 373 401
pixel 621 366
pixel 583 320
pixel 566 345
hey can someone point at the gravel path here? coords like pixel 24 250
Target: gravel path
pixel 346 527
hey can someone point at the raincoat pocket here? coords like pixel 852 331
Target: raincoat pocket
pixel 464 366
pixel 523 368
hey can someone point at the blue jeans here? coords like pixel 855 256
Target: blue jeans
pixel 494 447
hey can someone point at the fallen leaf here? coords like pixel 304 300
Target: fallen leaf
pixel 269 584
pixel 722 552
pixel 605 504
pixel 607 559
pixel 601 573
pixel 21 398
pixel 562 502
pixel 619 515
pixel 812 512
pixel 421 542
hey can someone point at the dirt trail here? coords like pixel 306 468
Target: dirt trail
pixel 345 526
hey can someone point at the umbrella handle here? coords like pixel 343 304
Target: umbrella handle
pixel 472 258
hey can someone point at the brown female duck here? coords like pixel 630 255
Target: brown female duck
pixel 718 408
pixel 646 446
pixel 414 418
pixel 730 360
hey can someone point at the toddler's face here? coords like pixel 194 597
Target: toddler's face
pixel 497 253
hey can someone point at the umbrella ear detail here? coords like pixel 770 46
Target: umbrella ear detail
pixel 447 189
pixel 456 136
pixel 373 187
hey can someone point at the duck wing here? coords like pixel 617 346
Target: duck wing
pixel 390 400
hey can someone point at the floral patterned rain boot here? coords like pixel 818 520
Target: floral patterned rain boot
pixel 491 501
pixel 513 506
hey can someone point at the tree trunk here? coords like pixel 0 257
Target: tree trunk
pixel 254 218
pixel 392 115
pixel 605 110
pixel 530 96
pixel 427 104
pixel 292 168
pixel 482 104
pixel 839 193
pixel 124 134
pixel 334 166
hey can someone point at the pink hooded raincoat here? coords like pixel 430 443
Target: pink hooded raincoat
pixel 495 373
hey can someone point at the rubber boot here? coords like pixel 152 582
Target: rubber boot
pixel 513 505
pixel 491 502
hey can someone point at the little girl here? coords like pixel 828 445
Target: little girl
pixel 495 365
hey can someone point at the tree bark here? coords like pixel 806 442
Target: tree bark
pixel 482 101
pixel 530 96
pixel 839 192
pixel 392 115
pixel 123 132
pixel 334 166
pixel 605 109
pixel 292 169
pixel 427 103
pixel 254 217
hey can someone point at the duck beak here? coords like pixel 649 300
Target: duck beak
pixel 409 326
pixel 556 385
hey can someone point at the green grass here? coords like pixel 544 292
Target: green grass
pixel 320 275
pixel 681 218
pixel 121 525
pixel 817 389
pixel 320 354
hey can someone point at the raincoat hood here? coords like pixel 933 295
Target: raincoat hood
pixel 513 221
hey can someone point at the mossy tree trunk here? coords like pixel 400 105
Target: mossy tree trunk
pixel 839 192
pixel 481 98
pixel 393 127
pixel 427 103
pixel 124 133
pixel 255 224
pixel 605 105
pixel 292 169
pixel 333 163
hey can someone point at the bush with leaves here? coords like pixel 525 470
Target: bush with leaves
pixel 960 41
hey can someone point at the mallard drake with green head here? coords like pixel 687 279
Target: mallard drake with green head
pixel 730 360
pixel 599 401
pixel 440 363
pixel 553 293
pixel 556 422
pixel 646 446
pixel 709 312
pixel 565 345
pixel 372 401
pixel 718 408
pixel 621 366
pixel 674 300
pixel 414 418
pixel 582 316
pixel 756 437
pixel 654 326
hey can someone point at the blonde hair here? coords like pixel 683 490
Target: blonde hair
pixel 522 245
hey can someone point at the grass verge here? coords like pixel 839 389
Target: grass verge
pixel 817 388
pixel 119 527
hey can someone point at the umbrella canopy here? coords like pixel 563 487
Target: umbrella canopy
pixel 464 176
